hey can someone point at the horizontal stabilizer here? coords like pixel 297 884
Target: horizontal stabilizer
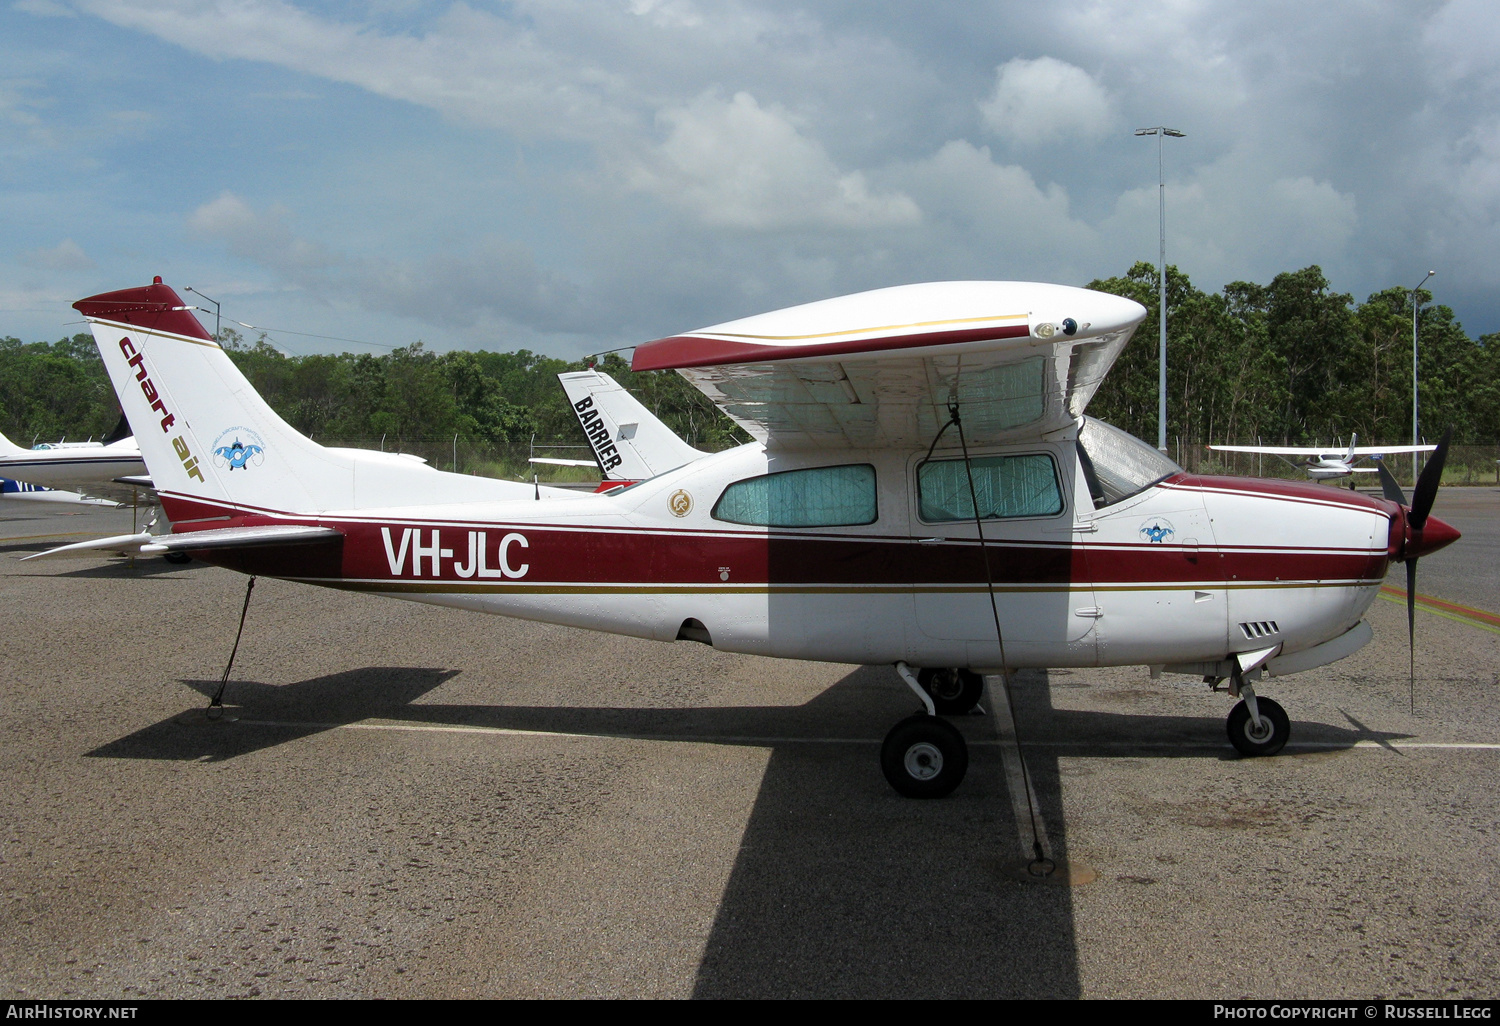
pixel 121 543
pixel 197 541
pixel 242 538
pixel 562 463
pixel 137 481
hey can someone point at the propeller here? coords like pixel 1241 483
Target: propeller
pixel 1388 484
pixel 1422 498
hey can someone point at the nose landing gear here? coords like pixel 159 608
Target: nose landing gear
pixel 1257 726
pixel 954 691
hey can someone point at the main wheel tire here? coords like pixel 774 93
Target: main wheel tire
pixel 953 691
pixel 1276 727
pixel 177 557
pixel 924 757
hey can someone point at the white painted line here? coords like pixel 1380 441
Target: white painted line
pixel 771 742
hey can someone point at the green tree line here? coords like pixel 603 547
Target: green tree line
pixel 1295 363
pixel 1291 362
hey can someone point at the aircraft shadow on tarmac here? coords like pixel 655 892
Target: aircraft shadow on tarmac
pixel 840 888
pixel 276 714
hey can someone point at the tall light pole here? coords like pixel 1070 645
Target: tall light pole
pixel 1161 203
pixel 1415 440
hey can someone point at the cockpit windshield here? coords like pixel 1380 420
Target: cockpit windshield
pixel 1118 465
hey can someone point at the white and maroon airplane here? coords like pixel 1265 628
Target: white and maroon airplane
pixel 847 532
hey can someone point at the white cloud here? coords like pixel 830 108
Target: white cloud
pixel 262 237
pixel 1047 100
pixel 737 164
pixel 469 65
pixel 455 289
pixel 67 255
pixel 1234 220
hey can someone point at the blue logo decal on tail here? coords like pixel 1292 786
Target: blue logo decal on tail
pixel 238 448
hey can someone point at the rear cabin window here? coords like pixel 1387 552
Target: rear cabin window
pixel 1007 487
pixel 820 497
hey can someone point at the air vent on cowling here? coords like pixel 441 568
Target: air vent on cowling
pixel 1259 629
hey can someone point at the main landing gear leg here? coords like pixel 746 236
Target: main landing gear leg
pixel 923 756
pixel 1256 726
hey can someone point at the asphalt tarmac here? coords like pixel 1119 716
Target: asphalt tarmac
pixel 425 802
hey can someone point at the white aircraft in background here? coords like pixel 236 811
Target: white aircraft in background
pixel 112 469
pixel 629 442
pixel 1330 463
pixel 19 491
pixel 923 491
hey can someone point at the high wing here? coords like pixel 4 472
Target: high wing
pixel 880 369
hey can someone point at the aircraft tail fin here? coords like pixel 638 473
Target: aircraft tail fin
pixel 629 441
pixel 7 446
pixel 215 449
pixel 1353 444
pixel 120 433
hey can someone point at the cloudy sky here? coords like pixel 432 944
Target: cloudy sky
pixel 571 176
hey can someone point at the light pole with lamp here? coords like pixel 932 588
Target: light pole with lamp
pixel 1415 440
pixel 1161 203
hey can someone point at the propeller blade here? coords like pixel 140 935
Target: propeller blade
pixel 1425 493
pixel 1411 632
pixel 1388 484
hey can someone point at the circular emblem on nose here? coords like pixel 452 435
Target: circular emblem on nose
pixel 1157 531
pixel 681 503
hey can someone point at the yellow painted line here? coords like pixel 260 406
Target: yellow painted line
pixel 1447 610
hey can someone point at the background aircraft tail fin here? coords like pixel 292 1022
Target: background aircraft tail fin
pixel 7 446
pixel 629 441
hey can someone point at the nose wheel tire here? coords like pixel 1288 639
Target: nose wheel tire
pixel 1275 728
pixel 954 691
pixel 924 757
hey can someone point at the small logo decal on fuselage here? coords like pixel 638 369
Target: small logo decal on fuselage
pixel 238 448
pixel 681 503
pixel 1157 530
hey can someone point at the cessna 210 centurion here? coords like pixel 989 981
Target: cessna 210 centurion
pixel 924 490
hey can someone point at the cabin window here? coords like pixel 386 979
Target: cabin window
pixel 1117 465
pixel 1007 486
pixel 820 497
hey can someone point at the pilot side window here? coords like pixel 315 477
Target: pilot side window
pixel 1007 486
pixel 820 497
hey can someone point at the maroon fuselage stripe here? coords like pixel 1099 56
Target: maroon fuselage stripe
pixel 680 351
pixel 653 559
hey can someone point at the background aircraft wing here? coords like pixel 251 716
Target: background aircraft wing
pixel 1336 450
pixel 1385 450
pixel 878 369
